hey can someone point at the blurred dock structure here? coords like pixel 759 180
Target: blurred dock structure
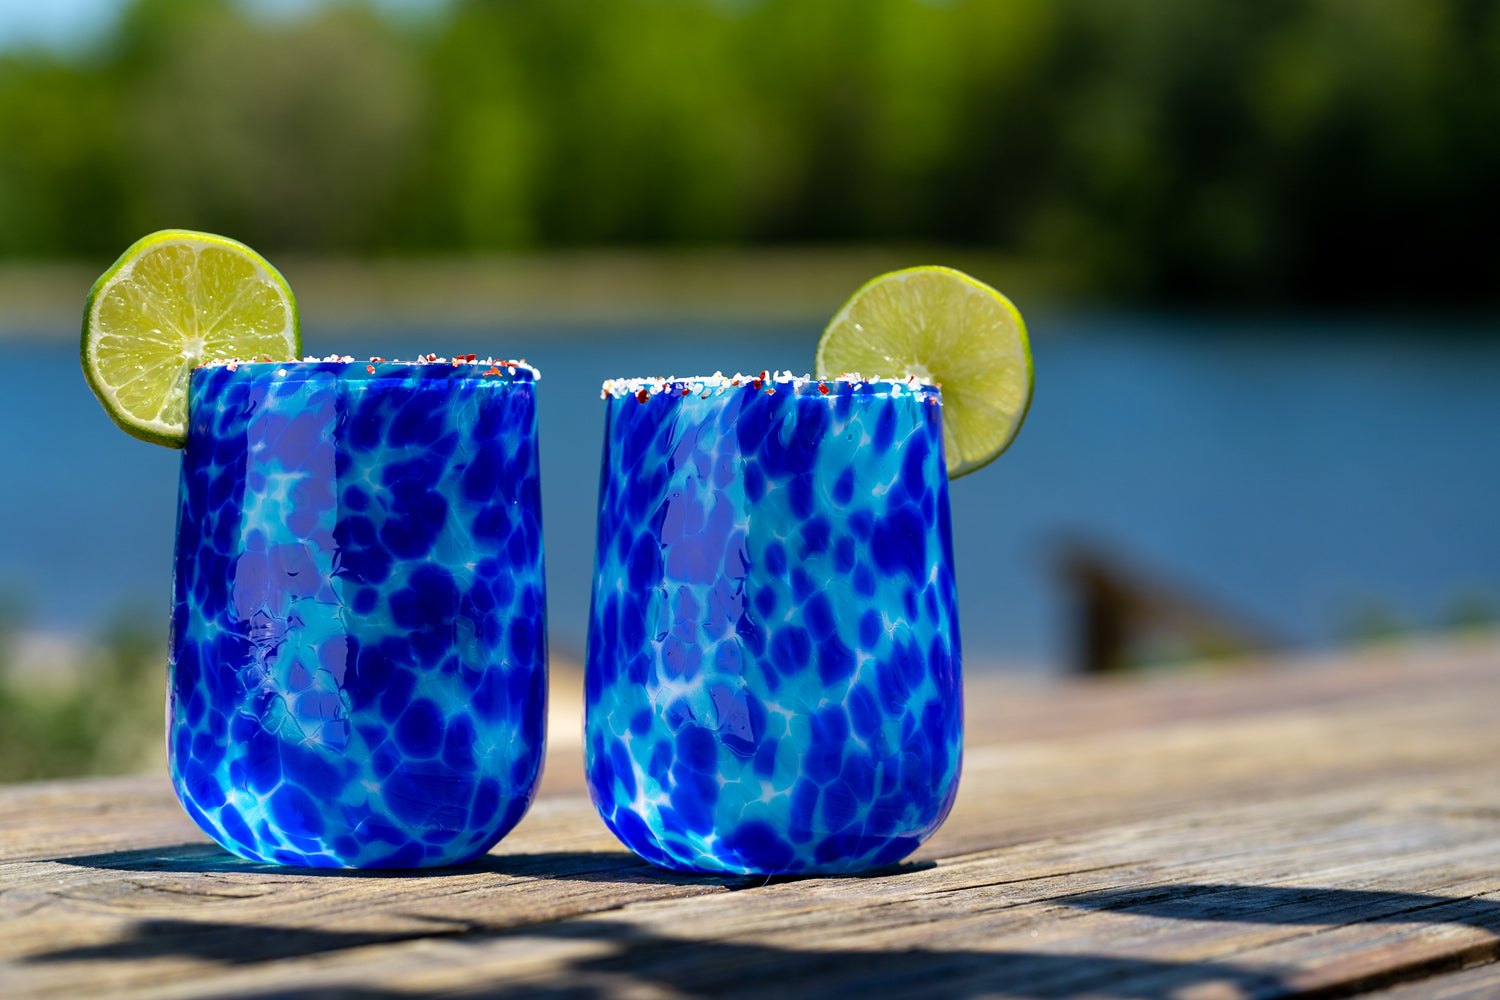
pixel 1125 616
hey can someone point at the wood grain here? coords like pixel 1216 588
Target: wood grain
pixel 1316 828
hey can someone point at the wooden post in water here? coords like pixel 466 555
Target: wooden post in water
pixel 1124 618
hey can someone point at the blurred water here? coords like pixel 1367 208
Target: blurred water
pixel 1288 473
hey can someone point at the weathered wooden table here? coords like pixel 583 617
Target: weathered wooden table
pixel 1320 828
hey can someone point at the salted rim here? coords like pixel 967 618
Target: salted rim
pixel 494 364
pixel 719 383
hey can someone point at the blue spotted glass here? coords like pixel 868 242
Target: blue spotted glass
pixel 358 661
pixel 773 680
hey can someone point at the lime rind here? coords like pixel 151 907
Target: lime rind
pixel 172 300
pixel 943 327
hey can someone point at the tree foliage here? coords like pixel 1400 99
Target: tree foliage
pixel 1318 149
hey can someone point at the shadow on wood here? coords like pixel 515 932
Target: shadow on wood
pixel 1292 905
pixel 630 957
pixel 1125 617
pixel 579 866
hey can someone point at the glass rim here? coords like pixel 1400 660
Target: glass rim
pixel 717 384
pixel 347 368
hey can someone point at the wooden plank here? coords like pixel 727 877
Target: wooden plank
pixel 1305 831
pixel 1479 983
pixel 1176 903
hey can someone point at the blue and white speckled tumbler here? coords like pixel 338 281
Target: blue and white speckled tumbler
pixel 773 679
pixel 358 660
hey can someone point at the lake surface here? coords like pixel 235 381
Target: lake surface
pixel 1296 475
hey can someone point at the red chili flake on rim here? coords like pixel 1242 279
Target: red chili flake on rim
pixel 758 383
pixel 642 396
pixel 370 369
pixel 686 391
pixel 823 388
pixel 492 371
pixel 735 382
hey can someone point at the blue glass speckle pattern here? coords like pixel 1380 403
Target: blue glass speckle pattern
pixel 358 660
pixel 773 680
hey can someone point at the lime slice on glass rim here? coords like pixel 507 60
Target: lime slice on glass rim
pixel 946 328
pixel 172 301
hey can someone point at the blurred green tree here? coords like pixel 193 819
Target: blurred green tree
pixel 61 175
pixel 1185 148
pixel 289 135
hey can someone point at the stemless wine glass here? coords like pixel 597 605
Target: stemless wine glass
pixel 773 679
pixel 358 659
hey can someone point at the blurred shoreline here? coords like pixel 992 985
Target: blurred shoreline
pixel 577 291
pixel 45 299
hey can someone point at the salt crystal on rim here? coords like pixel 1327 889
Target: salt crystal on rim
pixel 718 383
pixel 513 365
